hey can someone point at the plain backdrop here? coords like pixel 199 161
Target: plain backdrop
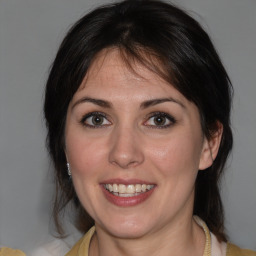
pixel 30 32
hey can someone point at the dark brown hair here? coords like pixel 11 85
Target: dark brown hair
pixel 170 43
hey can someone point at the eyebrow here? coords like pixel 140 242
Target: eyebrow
pixel 99 102
pixel 154 102
pixel 143 105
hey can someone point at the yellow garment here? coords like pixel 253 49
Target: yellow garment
pixel 233 250
pixel 10 252
pixel 81 248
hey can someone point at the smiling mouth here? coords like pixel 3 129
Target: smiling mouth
pixel 130 190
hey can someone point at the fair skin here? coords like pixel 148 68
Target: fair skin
pixel 122 128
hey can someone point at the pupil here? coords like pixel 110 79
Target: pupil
pixel 159 120
pixel 97 120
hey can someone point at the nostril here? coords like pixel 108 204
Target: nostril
pixel 126 161
pixel 125 150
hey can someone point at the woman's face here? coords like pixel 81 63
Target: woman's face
pixel 138 136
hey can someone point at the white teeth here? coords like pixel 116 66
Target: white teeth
pixel 121 189
pixel 130 189
pixel 127 190
pixel 149 187
pixel 128 195
pixel 138 188
pixel 115 188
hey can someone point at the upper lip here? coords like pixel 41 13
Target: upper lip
pixel 126 181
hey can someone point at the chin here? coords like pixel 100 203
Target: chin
pixel 128 229
pixel 128 232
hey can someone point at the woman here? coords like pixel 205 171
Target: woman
pixel 137 108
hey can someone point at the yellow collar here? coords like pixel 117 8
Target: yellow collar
pixel 81 248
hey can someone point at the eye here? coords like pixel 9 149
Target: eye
pixel 95 120
pixel 160 120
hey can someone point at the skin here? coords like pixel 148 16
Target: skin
pixel 129 145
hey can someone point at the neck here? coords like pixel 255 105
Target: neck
pixel 184 237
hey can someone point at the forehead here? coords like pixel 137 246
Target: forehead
pixel 110 71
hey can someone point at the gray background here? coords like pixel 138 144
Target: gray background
pixel 30 32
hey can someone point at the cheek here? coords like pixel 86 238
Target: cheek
pixel 84 155
pixel 176 162
pixel 176 155
pixel 177 150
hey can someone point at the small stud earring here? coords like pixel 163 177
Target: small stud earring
pixel 69 171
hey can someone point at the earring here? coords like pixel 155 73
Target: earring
pixel 69 171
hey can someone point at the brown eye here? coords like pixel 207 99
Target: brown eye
pixel 95 120
pixel 160 120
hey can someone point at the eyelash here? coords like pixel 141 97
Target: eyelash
pixel 168 117
pixel 94 114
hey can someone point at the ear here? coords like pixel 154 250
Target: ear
pixel 210 148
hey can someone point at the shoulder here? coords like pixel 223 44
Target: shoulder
pixel 56 247
pixel 82 246
pixel 233 250
pixel 4 251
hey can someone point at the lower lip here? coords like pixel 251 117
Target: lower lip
pixel 127 201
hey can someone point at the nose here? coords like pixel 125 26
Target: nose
pixel 126 150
